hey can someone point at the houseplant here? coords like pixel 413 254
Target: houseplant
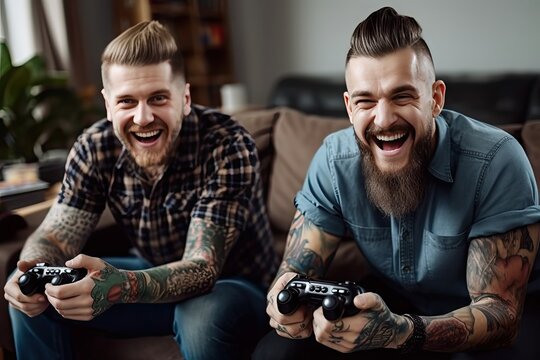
pixel 39 111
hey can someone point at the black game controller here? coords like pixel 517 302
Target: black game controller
pixel 34 280
pixel 336 298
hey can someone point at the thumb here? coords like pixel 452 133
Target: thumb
pixel 366 301
pixel 25 265
pixel 85 261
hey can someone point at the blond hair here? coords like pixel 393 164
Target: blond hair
pixel 146 43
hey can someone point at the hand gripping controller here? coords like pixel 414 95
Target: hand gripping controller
pixel 34 280
pixel 336 298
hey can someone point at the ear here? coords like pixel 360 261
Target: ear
pixel 187 100
pixel 439 92
pixel 104 94
pixel 347 100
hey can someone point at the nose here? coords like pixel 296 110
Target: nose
pixel 384 115
pixel 143 115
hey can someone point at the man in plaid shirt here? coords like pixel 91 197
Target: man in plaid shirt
pixel 183 182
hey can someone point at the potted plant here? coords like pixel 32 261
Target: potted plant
pixel 39 111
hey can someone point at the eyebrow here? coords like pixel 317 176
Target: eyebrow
pixel 397 90
pixel 153 93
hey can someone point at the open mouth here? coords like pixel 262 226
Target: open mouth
pixel 147 136
pixel 388 142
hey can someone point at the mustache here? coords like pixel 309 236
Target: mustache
pixel 372 131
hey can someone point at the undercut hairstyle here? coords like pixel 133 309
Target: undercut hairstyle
pixel 384 32
pixel 147 43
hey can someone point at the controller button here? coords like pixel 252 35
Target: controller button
pixel 311 288
pixel 324 289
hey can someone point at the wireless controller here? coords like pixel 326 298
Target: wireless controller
pixel 336 298
pixel 34 280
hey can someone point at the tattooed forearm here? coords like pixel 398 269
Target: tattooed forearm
pixel 160 284
pixel 380 330
pixel 60 236
pixel 309 250
pixel 207 246
pixel 498 269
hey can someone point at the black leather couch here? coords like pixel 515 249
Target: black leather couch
pixel 496 99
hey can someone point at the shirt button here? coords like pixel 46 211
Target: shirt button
pixel 406 268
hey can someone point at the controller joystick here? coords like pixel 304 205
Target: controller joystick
pixel 34 280
pixel 336 298
pixel 287 301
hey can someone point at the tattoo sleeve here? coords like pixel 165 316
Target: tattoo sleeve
pixel 309 250
pixel 498 269
pixel 207 247
pixel 61 235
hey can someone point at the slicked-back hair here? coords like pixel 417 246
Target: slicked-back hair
pixel 385 31
pixel 146 43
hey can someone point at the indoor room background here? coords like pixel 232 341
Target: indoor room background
pixel 273 38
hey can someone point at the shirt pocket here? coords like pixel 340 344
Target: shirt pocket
pixel 376 245
pixel 127 204
pixel 444 259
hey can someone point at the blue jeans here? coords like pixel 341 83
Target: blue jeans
pixel 225 323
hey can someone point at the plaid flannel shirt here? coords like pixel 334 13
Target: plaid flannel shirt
pixel 212 175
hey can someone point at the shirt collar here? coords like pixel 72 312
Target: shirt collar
pixel 440 165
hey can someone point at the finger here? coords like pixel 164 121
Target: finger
pixel 336 340
pixel 67 291
pixel 342 332
pixel 30 308
pixel 82 314
pixel 294 331
pixel 85 261
pixel 368 301
pixel 25 265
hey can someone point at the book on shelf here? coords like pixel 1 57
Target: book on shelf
pixel 14 196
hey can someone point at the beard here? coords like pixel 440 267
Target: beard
pixel 151 157
pixel 399 192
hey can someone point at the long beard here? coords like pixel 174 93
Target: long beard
pixel 400 192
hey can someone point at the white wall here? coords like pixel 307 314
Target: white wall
pixel 273 38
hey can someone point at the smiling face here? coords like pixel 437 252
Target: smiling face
pixel 392 101
pixel 146 105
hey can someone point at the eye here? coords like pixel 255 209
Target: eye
pixel 403 98
pixel 158 99
pixel 364 103
pixel 126 102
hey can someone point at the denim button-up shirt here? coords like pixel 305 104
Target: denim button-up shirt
pixel 481 183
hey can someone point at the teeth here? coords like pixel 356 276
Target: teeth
pixel 147 134
pixel 391 137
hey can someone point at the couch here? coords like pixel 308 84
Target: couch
pixel 302 110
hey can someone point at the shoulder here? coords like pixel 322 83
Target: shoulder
pixel 100 136
pixel 218 129
pixel 475 137
pixel 341 144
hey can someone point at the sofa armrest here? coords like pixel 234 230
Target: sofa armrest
pixel 9 254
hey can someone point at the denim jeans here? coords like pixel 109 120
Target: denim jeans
pixel 222 324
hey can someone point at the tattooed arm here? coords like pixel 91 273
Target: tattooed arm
pixel 498 270
pixel 309 251
pixel 207 247
pixel 60 236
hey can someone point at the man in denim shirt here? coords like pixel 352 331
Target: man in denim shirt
pixel 443 207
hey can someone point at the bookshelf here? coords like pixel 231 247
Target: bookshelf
pixel 201 30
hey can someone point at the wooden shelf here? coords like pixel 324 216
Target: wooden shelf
pixel 201 30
